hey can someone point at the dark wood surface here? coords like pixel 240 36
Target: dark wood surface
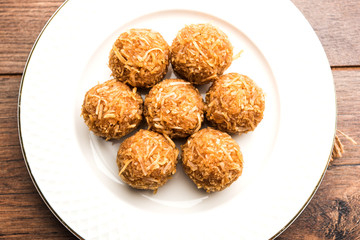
pixel 333 213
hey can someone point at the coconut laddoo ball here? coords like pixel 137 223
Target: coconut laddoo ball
pixel 200 53
pixel 139 57
pixel 235 104
pixel 147 160
pixel 212 159
pixel 174 107
pixel 112 110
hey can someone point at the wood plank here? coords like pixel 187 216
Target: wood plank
pixel 347 84
pixel 337 24
pixel 9 89
pixel 14 178
pixel 334 212
pixel 338 27
pixel 25 216
pixel 20 24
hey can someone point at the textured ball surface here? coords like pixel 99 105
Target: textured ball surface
pixel 235 104
pixel 212 159
pixel 174 107
pixel 200 53
pixel 112 110
pixel 146 160
pixel 139 57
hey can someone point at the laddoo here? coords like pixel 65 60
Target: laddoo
pixel 200 53
pixel 174 107
pixel 112 110
pixel 212 159
pixel 147 160
pixel 139 57
pixel 235 104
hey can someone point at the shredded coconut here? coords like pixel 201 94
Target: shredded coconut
pixel 212 159
pixel 235 104
pixel 139 57
pixel 147 160
pixel 112 109
pixel 200 53
pixel 175 108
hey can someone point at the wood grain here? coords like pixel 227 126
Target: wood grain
pixel 20 24
pixel 348 117
pixel 337 24
pixel 25 216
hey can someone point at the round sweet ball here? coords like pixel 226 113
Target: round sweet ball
pixel 174 107
pixel 146 160
pixel 200 53
pixel 139 57
pixel 112 110
pixel 212 159
pixel 235 104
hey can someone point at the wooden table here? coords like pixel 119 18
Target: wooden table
pixel 333 213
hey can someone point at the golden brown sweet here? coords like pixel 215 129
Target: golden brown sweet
pixel 235 104
pixel 112 110
pixel 212 159
pixel 147 160
pixel 200 53
pixel 139 57
pixel 174 107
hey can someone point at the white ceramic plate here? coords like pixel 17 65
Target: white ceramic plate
pixel 285 157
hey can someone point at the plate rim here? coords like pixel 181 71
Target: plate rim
pixel 52 210
pixel 48 204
